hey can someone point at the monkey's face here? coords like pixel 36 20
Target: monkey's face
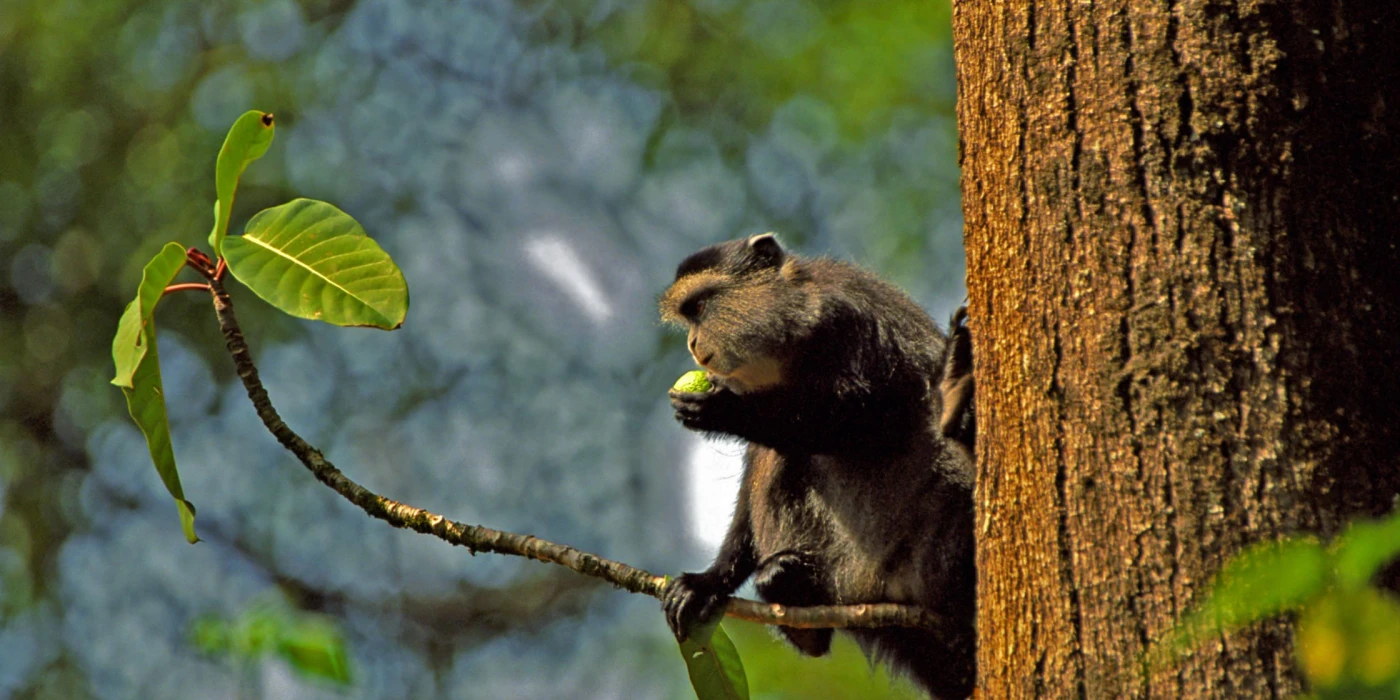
pixel 736 301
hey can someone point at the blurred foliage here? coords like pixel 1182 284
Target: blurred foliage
pixel 776 672
pixel 745 59
pixel 618 135
pixel 1348 631
pixel 309 643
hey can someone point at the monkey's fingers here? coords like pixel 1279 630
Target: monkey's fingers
pixel 688 397
pixel 689 420
pixel 689 408
pixel 689 600
pixel 716 411
pixel 673 602
pixel 681 617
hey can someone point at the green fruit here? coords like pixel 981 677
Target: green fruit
pixel 692 381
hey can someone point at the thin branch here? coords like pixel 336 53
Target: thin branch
pixel 483 539
pixel 185 287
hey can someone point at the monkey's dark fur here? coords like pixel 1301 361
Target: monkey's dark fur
pixel 857 483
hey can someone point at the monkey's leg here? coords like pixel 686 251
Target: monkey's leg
pixel 698 597
pixel 943 663
pixel 791 579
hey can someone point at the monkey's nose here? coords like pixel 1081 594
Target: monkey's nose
pixel 692 344
pixel 705 361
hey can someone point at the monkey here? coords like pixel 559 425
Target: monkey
pixel 857 481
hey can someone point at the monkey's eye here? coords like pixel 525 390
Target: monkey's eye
pixel 692 308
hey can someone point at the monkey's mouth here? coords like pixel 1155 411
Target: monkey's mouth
pixel 743 376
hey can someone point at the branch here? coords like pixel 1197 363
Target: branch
pixel 483 539
pixel 185 287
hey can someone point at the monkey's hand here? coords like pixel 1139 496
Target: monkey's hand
pixel 715 411
pixel 692 599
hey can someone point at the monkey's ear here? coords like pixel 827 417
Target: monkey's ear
pixel 765 247
pixel 959 420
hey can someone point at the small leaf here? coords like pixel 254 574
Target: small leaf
pixel 146 402
pixel 310 643
pixel 314 261
pixel 127 347
pixel 248 139
pixel 716 671
pixel 210 635
pixel 1364 548
pixel 314 648
pixel 258 630
pixel 1256 583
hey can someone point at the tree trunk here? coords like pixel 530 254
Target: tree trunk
pixel 1184 285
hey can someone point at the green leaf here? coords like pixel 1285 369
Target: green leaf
pixel 310 643
pixel 716 671
pixel 248 139
pixel 314 261
pixel 314 648
pixel 257 631
pixel 127 346
pixel 137 361
pixel 1364 548
pixel 1260 581
pixel 210 635
pixel 146 402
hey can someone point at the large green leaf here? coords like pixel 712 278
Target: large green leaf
pixel 314 261
pixel 716 671
pixel 127 346
pixel 1364 548
pixel 248 139
pixel 146 401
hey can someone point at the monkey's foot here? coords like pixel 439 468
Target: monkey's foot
pixel 692 599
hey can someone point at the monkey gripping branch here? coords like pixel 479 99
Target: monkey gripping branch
pixel 314 261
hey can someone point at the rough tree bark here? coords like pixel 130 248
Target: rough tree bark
pixel 1184 282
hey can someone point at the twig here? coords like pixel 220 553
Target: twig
pixel 185 287
pixel 482 539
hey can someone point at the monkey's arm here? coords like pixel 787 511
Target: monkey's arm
pixel 788 421
pixel 697 597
